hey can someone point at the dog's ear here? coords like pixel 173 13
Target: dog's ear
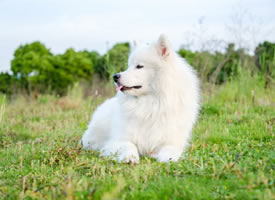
pixel 163 46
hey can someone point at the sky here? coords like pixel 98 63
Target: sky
pixel 99 24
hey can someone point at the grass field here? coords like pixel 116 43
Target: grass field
pixel 231 155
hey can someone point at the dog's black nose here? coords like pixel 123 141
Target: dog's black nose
pixel 116 77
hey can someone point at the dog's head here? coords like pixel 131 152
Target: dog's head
pixel 145 64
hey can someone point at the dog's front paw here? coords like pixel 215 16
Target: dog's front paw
pixel 168 154
pixel 128 157
pixel 123 153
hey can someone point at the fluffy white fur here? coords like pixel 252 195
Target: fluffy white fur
pixel 155 120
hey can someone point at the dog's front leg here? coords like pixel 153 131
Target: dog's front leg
pixel 122 151
pixel 168 153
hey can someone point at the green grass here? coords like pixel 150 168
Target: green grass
pixel 231 155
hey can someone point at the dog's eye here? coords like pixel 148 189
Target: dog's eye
pixel 139 66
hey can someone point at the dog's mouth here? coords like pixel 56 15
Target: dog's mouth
pixel 123 88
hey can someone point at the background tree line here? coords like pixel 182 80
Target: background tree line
pixel 35 68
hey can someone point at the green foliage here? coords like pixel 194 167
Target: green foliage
pixel 189 56
pixel 35 68
pixel 69 68
pixel 29 60
pixel 265 60
pixel 94 57
pixel 38 69
pixel 114 61
pixel 78 64
pixel 229 64
pixel 204 62
pixel 217 67
pixel 7 82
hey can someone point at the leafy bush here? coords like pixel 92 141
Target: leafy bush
pixel 29 61
pixel 7 82
pixel 228 64
pixel 188 55
pixel 204 62
pixel 216 67
pixel 38 69
pixel 68 68
pixel 114 61
pixel 34 67
pixel 265 60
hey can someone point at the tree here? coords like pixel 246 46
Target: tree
pixel 228 65
pixel 216 67
pixel 37 68
pixel 114 61
pixel 265 61
pixel 7 83
pixel 28 62
pixel 70 67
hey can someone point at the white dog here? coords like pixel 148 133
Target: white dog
pixel 154 110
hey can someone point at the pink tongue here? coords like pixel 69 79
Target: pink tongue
pixel 118 88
